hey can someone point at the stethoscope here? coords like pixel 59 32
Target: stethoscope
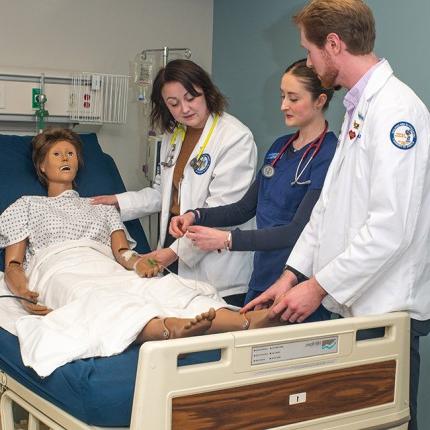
pixel 196 162
pixel 268 170
pixel 179 130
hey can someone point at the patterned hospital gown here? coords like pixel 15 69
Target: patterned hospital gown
pixel 49 220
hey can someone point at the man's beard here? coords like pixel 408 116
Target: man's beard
pixel 329 78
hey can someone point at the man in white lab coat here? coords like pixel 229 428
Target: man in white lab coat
pixel 366 248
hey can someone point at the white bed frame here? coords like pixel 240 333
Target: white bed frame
pixel 287 377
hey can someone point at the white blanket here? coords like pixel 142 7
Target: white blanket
pixel 100 308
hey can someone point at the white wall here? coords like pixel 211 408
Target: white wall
pixel 103 36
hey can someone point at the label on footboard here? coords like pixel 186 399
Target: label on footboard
pixel 294 350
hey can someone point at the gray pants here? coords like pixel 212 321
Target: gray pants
pixel 418 328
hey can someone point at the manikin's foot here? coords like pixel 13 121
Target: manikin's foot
pixel 260 319
pixel 174 328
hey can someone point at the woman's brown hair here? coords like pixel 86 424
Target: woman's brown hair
pixel 190 75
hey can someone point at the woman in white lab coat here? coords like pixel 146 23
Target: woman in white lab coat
pixel 208 158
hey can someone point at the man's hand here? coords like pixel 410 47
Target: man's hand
pixel 273 294
pixel 299 302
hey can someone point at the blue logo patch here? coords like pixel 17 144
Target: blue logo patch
pixel 403 135
pixel 203 164
pixel 271 156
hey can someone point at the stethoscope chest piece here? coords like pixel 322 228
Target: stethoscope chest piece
pixel 196 163
pixel 268 171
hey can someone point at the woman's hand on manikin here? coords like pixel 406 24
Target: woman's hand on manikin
pixel 105 200
pixel 179 224
pixel 206 238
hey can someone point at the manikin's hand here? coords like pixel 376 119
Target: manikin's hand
pixel 17 283
pixel 147 267
pixel 179 224
pixel 299 302
pixel 35 309
pixel 160 259
pixel 274 294
pixel 206 238
pixel 105 200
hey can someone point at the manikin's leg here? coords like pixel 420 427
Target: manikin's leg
pixel 173 328
pixel 220 321
pixel 228 320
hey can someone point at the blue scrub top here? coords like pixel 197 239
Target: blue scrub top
pixel 278 201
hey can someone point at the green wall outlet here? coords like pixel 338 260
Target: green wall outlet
pixel 34 99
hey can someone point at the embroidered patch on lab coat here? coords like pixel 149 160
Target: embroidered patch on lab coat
pixel 403 135
pixel 203 164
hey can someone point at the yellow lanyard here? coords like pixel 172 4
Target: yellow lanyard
pixel 179 129
pixel 202 148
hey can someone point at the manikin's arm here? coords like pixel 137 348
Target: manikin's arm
pixel 129 259
pixel 16 280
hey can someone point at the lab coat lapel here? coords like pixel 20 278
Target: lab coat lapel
pixel 351 131
pixel 166 192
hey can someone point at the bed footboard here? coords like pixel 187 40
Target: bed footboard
pixel 308 376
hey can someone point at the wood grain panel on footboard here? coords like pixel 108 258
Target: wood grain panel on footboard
pixel 271 404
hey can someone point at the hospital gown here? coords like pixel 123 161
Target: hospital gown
pixel 99 306
pixel 49 220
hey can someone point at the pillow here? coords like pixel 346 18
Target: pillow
pixel 99 175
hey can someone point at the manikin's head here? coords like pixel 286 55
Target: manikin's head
pixel 57 156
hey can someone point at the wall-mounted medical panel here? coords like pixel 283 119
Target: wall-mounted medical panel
pixel 92 98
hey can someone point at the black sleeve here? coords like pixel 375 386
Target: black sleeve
pixel 268 239
pixel 234 214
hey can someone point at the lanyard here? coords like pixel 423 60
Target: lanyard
pixel 180 132
pixel 205 143
pixel 179 129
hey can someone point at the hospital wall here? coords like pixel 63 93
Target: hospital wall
pixel 255 40
pixel 103 36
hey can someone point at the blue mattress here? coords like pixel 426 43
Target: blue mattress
pixel 98 391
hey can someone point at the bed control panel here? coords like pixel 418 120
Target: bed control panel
pixel 294 350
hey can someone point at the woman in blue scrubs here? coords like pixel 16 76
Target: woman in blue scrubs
pixel 284 193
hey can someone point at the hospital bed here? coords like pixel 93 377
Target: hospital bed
pixel 305 376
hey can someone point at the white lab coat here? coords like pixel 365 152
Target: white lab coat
pixel 367 241
pixel 232 169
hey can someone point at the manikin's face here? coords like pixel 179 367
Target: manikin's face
pixel 297 104
pixel 320 61
pixel 61 163
pixel 185 108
